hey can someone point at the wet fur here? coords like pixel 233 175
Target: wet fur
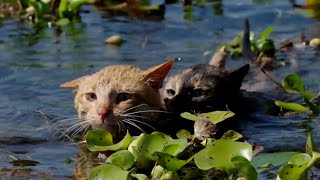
pixel 138 113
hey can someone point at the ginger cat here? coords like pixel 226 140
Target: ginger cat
pixel 120 98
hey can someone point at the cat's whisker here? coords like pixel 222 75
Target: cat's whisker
pixel 134 125
pixel 134 107
pixel 82 127
pixel 69 129
pixel 63 117
pixel 63 121
pixel 148 111
pixel 135 116
pixel 135 120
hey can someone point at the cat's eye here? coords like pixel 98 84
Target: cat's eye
pixel 91 96
pixel 198 92
pixel 171 92
pixel 123 96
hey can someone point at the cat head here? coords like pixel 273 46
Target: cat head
pixel 203 88
pixel 119 96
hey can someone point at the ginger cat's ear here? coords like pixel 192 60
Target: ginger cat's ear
pixel 155 75
pixel 74 84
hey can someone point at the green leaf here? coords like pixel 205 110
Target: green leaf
pixel 297 168
pixel 157 172
pixel 275 159
pixel 189 116
pixel 307 95
pixel 99 140
pixel 265 34
pixel 123 159
pixel 309 144
pixel 291 106
pixel 62 22
pixel 139 176
pixel 245 168
pixel 183 133
pixel 217 116
pixel 313 107
pixel 232 135
pixel 62 8
pixel 292 83
pixel 170 162
pixel 175 146
pixel 219 155
pixel 108 172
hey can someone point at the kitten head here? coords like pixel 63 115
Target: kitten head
pixel 119 96
pixel 203 88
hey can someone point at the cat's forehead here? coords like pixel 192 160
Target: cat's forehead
pixel 116 77
pixel 197 76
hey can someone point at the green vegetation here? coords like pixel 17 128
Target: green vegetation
pixel 198 156
pixel 293 84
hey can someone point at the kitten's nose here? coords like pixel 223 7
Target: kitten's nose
pixel 103 113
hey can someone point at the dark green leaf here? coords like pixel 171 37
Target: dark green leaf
pixel 170 162
pixel 245 168
pixel 292 83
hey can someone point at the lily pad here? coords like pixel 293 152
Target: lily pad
pixel 123 159
pixel 108 172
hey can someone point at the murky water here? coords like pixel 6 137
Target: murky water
pixel 34 60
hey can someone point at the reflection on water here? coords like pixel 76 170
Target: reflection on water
pixel 35 59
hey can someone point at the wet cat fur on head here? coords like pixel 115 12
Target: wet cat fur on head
pixel 120 97
pixel 203 88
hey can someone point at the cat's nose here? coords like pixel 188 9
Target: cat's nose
pixel 103 113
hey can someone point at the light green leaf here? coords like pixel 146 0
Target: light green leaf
pixel 189 116
pixel 297 168
pixel 245 168
pixel 108 172
pixel 292 83
pixel 292 106
pixel 232 135
pixel 217 116
pixel 275 159
pixel 123 159
pixel 265 34
pixel 62 22
pixel 140 176
pixel 219 155
pixel 99 140
pixel 170 162
pixel 183 133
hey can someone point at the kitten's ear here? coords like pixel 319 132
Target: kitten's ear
pixel 74 84
pixel 155 75
pixel 236 77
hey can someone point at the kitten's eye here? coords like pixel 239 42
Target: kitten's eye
pixel 198 92
pixel 171 92
pixel 91 96
pixel 123 96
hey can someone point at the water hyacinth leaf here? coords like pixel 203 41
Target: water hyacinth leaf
pixel 62 22
pixel 292 83
pixel 204 129
pixel 307 95
pixel 62 8
pixel 189 116
pixel 183 133
pixel 103 141
pixel 245 168
pixel 232 135
pixel 175 146
pixel 297 167
pixel 219 155
pixel 265 34
pixel 170 162
pixel 292 106
pixel 123 159
pixel 275 159
pixel 313 107
pixel 309 144
pixel 217 116
pixel 169 175
pixel 139 176
pixel 97 140
pixel 108 172
pixel 157 172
